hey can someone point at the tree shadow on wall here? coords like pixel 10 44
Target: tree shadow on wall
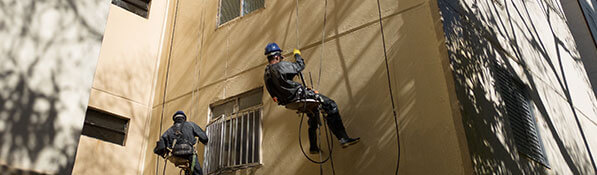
pixel 473 41
pixel 28 133
pixel 45 44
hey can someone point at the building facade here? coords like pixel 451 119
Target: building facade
pixel 526 100
pixel 493 87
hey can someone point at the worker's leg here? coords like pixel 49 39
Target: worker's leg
pixel 333 117
pixel 335 122
pixel 313 124
pixel 196 168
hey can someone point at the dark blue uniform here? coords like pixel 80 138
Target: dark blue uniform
pixel 189 131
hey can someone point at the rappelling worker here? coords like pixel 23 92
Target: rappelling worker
pixel 278 82
pixel 180 138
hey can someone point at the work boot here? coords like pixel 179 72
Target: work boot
pixel 347 141
pixel 313 150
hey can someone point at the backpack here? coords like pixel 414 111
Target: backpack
pixel 181 148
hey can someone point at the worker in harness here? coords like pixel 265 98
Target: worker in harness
pixel 278 82
pixel 180 138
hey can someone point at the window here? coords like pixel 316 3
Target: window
pixel 104 126
pixel 234 132
pixel 519 112
pixel 139 7
pixel 230 9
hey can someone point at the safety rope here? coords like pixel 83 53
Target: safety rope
pixel 383 39
pixel 298 42
pixel 329 143
pixel 325 12
pixel 166 82
pixel 199 73
pixel 302 115
pixel 165 161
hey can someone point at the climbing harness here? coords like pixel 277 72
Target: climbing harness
pixel 184 164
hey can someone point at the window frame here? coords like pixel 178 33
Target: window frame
pixel 107 114
pixel 515 85
pixel 221 122
pixel 132 7
pixel 241 15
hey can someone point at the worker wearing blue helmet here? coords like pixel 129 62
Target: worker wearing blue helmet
pixel 279 83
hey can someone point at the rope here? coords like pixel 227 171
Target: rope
pixel 325 12
pixel 330 147
pixel 298 44
pixel 166 83
pixel 199 74
pixel 302 115
pixel 383 39
pixel 165 161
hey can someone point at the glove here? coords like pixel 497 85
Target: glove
pixel 160 149
pixel 166 152
pixel 296 51
pixel 161 152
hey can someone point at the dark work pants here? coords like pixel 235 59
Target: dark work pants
pixel 196 168
pixel 333 119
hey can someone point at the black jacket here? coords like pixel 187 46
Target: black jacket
pixel 189 131
pixel 278 79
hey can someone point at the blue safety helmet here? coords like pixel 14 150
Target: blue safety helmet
pixel 176 115
pixel 272 49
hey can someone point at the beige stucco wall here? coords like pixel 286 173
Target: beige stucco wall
pixel 583 24
pixel 210 63
pixel 123 85
pixel 533 41
pixel 48 54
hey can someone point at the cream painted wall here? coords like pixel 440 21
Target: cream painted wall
pixel 48 53
pixel 581 27
pixel 209 63
pixel 531 39
pixel 124 85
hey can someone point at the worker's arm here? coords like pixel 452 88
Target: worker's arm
pixel 199 133
pixel 268 86
pixel 160 147
pixel 300 63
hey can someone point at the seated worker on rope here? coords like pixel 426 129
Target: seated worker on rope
pixel 180 138
pixel 278 82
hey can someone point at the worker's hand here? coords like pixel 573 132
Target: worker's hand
pixel 161 152
pixel 296 51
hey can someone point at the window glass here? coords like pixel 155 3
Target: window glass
pixel 229 9
pixel 252 5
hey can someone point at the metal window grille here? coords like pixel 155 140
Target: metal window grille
pixel 522 122
pixel 139 7
pixel 230 9
pixel 234 134
pixel 252 5
pixel 104 126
